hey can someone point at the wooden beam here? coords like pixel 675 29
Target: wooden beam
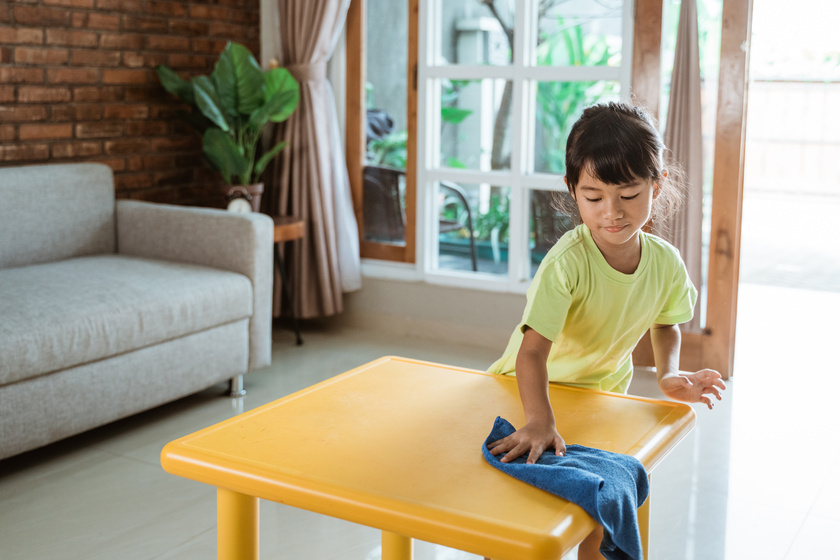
pixel 355 106
pixel 647 48
pixel 728 186
pixel 411 143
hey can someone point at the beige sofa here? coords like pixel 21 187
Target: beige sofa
pixel 109 308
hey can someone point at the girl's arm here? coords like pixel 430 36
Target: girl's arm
pixel 686 387
pixel 540 430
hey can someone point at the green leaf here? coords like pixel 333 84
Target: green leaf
pixel 239 80
pixel 223 153
pixel 276 109
pixel 278 83
pixel 267 157
pixel 207 101
pixel 174 84
pixel 454 115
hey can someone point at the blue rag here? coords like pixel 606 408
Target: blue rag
pixel 610 487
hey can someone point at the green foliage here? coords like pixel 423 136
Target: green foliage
pixel 560 103
pixel 232 107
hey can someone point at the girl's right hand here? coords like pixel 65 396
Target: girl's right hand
pixel 533 439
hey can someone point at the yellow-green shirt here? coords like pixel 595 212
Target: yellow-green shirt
pixel 594 314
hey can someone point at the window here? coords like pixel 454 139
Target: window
pixel 496 88
pixel 500 85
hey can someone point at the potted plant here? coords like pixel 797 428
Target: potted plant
pixel 230 109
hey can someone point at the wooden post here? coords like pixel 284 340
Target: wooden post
pixel 728 186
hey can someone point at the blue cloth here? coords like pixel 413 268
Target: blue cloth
pixel 608 486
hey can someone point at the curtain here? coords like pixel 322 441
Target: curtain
pixel 684 138
pixel 309 179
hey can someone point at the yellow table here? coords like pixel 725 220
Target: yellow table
pixel 396 445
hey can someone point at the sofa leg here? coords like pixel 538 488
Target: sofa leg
pixel 237 386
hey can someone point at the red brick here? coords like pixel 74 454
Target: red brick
pixel 36 55
pixel 96 21
pixel 123 112
pixel 95 57
pixel 17 113
pixel 190 28
pixel 6 55
pixel 70 3
pixel 157 162
pixel 24 152
pixel 209 46
pixel 193 61
pixel 73 112
pixel 204 11
pixel 104 129
pixel 38 15
pixel 7 94
pixel 125 76
pixel 172 177
pixel 140 94
pixel 142 23
pixel 72 75
pixel 130 181
pixel 75 149
pixel 44 131
pixel 172 9
pixel 21 75
pixel 233 32
pixel 72 38
pixel 175 143
pixel 21 36
pixel 129 41
pixel 146 128
pixel 167 43
pixel 126 146
pixel 116 164
pixel 248 18
pixel 40 94
pixel 7 132
pixel 120 5
pixel 134 60
pixel 5 13
pixel 90 94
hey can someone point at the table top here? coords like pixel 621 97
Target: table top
pixel 396 445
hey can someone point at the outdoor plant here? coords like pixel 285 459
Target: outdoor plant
pixel 231 108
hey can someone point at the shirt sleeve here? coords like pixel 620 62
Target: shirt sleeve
pixel 549 301
pixel 682 296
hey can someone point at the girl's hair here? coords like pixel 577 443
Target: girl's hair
pixel 619 143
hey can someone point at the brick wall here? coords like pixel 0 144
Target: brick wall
pixel 77 83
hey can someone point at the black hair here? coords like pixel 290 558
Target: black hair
pixel 619 143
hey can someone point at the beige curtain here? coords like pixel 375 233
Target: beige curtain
pixel 684 137
pixel 310 176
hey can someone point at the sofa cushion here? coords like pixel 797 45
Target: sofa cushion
pixel 65 313
pixel 53 212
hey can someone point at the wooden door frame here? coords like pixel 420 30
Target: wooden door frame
pixel 355 131
pixel 714 347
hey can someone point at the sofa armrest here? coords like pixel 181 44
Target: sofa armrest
pixel 240 243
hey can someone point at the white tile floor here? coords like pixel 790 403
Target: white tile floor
pixel 758 478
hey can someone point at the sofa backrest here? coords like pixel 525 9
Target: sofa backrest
pixel 54 212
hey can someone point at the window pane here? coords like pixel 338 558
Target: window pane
pixel 475 124
pixel 579 33
pixel 559 104
pixel 551 216
pixel 473 227
pixel 384 178
pixel 473 34
pixel 384 204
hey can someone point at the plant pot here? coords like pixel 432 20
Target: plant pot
pixel 253 193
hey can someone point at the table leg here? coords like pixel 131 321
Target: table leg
pixel 644 523
pixel 284 290
pixel 396 547
pixel 237 526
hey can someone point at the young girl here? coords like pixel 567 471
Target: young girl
pixel 602 286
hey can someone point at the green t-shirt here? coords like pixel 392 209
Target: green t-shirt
pixel 594 314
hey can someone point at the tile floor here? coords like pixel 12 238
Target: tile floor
pixel 758 478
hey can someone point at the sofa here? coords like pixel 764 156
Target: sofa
pixel 112 307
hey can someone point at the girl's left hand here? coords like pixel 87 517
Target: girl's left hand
pixel 693 387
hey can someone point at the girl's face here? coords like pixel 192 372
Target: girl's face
pixel 614 213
